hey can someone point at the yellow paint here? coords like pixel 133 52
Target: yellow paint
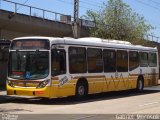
pixel 96 85
pixel 43 92
pixel 62 91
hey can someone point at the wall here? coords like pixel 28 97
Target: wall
pixel 9 35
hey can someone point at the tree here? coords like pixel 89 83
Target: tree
pixel 116 20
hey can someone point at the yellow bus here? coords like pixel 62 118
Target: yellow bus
pixel 59 67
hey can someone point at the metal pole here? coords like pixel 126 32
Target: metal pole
pixel 43 14
pixel 152 38
pixel 76 19
pixel 56 17
pixel 15 7
pixel 0 3
pixel 30 10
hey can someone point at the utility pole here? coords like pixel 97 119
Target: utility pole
pixel 76 28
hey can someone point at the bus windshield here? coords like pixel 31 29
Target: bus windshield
pixel 29 65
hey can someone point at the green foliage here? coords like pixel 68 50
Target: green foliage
pixel 116 20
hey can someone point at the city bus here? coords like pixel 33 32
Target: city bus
pixel 50 67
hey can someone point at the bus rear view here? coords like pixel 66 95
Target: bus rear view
pixel 28 72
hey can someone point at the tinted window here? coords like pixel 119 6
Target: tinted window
pixel 95 63
pixel 143 59
pixel 109 58
pixel 133 60
pixel 122 61
pixel 58 62
pixel 77 60
pixel 152 57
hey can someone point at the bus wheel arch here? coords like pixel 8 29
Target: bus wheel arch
pixel 140 83
pixel 81 88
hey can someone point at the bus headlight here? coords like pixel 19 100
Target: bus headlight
pixel 43 83
pixel 10 83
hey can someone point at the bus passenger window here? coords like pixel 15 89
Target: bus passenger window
pixel 143 59
pixel 95 62
pixel 133 60
pixel 58 62
pixel 152 58
pixel 77 60
pixel 122 61
pixel 109 58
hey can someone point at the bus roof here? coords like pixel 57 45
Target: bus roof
pixel 93 42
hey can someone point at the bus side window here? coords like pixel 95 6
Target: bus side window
pixel 77 60
pixel 152 58
pixel 109 58
pixel 94 59
pixel 122 61
pixel 133 60
pixel 58 62
pixel 143 59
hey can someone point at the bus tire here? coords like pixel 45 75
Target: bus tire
pixel 81 90
pixel 140 84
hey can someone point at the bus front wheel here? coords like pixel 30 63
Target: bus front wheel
pixel 81 90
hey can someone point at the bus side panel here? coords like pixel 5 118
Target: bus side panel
pixel 111 84
pixel 132 82
pixel 67 89
pixel 151 79
pixel 96 84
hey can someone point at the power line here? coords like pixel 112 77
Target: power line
pixel 91 4
pixel 95 2
pixel 148 5
pixel 63 1
pixel 22 6
pixel 157 3
pixel 156 26
pixel 25 2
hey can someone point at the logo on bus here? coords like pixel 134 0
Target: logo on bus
pixel 63 81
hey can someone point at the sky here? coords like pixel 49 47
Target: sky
pixel 150 9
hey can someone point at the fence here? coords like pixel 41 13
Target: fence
pixel 152 38
pixel 31 11
pixel 50 15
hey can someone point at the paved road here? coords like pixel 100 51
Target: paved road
pixel 127 102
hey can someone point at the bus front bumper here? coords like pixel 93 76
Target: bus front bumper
pixel 37 92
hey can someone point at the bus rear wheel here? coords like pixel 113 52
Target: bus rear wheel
pixel 140 85
pixel 81 90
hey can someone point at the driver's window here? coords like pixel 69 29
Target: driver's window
pixel 58 60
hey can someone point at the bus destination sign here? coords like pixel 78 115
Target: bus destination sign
pixel 30 44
